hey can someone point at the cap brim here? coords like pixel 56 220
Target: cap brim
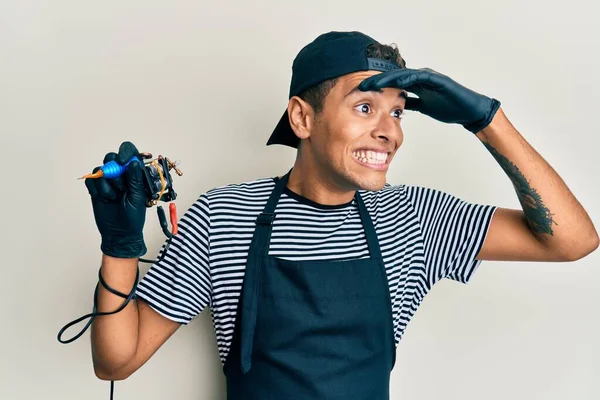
pixel 283 133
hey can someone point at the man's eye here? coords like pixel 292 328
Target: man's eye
pixel 363 108
pixel 398 113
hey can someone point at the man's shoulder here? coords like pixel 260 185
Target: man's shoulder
pixel 245 191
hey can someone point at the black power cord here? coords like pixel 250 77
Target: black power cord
pixel 128 297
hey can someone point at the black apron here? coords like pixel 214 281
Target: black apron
pixel 311 330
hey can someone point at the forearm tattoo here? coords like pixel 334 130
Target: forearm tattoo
pixel 538 215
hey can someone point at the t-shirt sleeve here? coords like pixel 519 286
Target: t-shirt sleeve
pixel 453 230
pixel 178 285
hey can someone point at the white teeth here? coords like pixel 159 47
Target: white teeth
pixel 370 157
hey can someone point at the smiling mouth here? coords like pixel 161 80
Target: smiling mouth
pixel 371 157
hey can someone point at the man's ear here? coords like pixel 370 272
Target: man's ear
pixel 301 117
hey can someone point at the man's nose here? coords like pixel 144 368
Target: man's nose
pixel 387 129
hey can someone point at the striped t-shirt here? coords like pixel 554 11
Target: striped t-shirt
pixel 424 235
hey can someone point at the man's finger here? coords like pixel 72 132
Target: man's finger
pixel 412 103
pixel 402 79
pixel 103 188
pixel 126 151
pixel 109 157
pixel 136 193
pixel 406 82
pixel 387 79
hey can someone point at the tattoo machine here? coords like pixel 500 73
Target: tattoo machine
pixel 157 182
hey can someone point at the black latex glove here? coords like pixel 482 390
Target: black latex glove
pixel 440 97
pixel 120 206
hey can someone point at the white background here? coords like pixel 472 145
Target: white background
pixel 205 83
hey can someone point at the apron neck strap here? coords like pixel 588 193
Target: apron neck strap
pixel 371 235
pixel 267 216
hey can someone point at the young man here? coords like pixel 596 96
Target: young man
pixel 312 277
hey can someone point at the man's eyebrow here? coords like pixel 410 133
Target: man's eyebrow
pixel 354 90
pixel 403 94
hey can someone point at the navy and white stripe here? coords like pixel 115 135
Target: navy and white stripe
pixel 424 234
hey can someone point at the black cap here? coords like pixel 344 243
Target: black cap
pixel 329 56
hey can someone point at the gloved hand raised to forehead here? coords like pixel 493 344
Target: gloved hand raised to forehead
pixel 440 97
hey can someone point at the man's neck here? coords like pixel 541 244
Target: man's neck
pixel 309 183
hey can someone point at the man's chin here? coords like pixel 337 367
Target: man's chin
pixel 372 184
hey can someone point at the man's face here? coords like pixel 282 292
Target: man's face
pixel 357 133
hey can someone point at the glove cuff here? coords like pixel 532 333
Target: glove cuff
pixel 124 246
pixel 478 126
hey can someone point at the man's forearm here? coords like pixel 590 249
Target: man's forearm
pixel 114 337
pixel 552 212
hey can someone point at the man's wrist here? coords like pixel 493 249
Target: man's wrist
pixel 498 127
pixel 124 246
pixel 119 273
pixel 478 126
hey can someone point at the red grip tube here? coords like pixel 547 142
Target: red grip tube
pixel 173 215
